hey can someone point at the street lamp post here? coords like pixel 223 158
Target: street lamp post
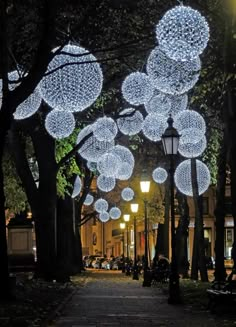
pixel 145 187
pixel 170 141
pixel 126 219
pixel 122 227
pixel 134 209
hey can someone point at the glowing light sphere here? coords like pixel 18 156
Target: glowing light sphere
pixel 77 187
pixel 29 106
pixel 192 150
pixel 191 125
pixel 124 154
pixel 108 164
pixel 127 194
pixel 159 104
pixel 115 213
pixel 88 200
pixel 60 124
pixel 137 88
pixel 101 205
pixel 92 149
pixel 131 124
pixel 104 216
pixel 170 76
pixel 178 103
pixel 154 126
pixel 159 175
pixel 106 184
pixel 105 129
pixel 124 172
pixel 183 181
pixel 92 166
pixel 182 33
pixel 73 85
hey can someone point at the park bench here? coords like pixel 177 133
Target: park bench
pixel 221 294
pixel 160 275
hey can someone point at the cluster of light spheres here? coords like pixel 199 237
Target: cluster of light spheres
pixel 191 125
pixel 183 179
pixel 28 107
pixel 137 88
pixel 73 80
pixel 104 216
pixel 159 175
pixel 127 194
pixel 88 200
pixel 115 213
pixel 105 129
pixel 154 126
pixel 170 76
pixel 108 164
pixel 192 150
pixel 92 149
pixel 131 123
pixel 77 187
pixel 101 205
pixel 159 104
pixel 182 33
pixel 60 124
pixel 106 184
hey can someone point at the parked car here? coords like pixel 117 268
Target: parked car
pixel 105 264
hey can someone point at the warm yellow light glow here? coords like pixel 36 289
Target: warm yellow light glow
pixel 145 186
pixel 126 217
pixel 122 225
pixel 134 207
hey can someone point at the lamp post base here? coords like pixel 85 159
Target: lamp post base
pixel 135 273
pixel 147 278
pixel 174 291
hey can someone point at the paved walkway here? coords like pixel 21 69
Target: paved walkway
pixel 112 299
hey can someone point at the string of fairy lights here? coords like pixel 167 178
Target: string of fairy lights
pixel 74 80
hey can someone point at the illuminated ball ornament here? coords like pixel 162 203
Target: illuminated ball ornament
pixel 137 88
pixel 108 164
pixel 101 205
pixel 104 216
pixel 183 180
pixel 159 104
pixel 178 103
pixel 92 149
pixel 182 33
pixel 92 166
pixel 115 213
pixel 29 106
pixel 154 126
pixel 75 82
pixel 131 123
pixel 192 150
pixel 88 200
pixel 124 172
pixel 106 184
pixel 124 154
pixel 105 129
pixel 159 175
pixel 60 124
pixel 170 76
pixel 77 187
pixel 190 125
pixel 127 194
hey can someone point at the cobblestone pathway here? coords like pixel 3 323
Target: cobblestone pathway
pixel 112 299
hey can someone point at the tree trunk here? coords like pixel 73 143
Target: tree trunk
pixel 182 236
pixel 199 231
pixel 220 272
